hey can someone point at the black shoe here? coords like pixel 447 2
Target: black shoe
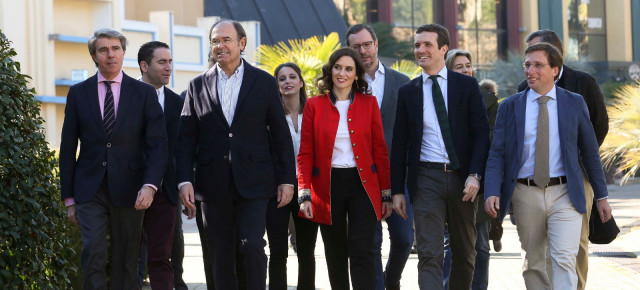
pixel 497 245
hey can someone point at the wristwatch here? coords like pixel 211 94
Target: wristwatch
pixel 476 176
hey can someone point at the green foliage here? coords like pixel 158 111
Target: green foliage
pixel 408 68
pixel 34 246
pixel 621 148
pixel 309 54
pixel 506 73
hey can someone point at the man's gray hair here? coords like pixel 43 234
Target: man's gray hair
pixel 106 33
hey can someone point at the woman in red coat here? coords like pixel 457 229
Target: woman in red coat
pixel 343 169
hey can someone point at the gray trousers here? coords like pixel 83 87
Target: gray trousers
pixel 96 217
pixel 438 200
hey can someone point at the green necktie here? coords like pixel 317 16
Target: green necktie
pixel 443 120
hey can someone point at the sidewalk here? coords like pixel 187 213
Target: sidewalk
pixel 613 266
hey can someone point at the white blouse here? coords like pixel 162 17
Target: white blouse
pixel 295 136
pixel 342 150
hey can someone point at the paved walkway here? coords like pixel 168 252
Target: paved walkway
pixel 613 266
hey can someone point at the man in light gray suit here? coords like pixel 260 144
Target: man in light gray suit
pixel 384 83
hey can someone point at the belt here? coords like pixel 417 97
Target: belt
pixel 435 165
pixel 552 181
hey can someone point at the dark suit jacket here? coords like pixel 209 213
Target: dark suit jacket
pixel 584 84
pixel 172 109
pixel 392 82
pixel 577 141
pixel 469 128
pixel 136 153
pixel 205 138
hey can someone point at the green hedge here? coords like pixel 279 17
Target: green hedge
pixel 35 244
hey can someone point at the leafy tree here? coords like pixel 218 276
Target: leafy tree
pixel 621 148
pixel 389 45
pixel 309 54
pixel 34 245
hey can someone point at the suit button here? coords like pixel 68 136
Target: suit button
pixel 349 119
pixel 354 144
pixel 364 181
pixel 108 145
pixel 360 169
pixel 104 163
pixel 357 157
pixel 230 135
pixel 226 157
pixel 351 131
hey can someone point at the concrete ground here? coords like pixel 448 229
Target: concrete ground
pixel 613 266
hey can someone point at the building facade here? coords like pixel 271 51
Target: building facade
pixel 50 37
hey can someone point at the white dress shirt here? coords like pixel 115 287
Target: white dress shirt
pixel 377 84
pixel 229 89
pixel 556 165
pixel 160 93
pixel 433 148
pixel 342 150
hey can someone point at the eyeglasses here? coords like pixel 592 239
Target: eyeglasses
pixel 365 45
pixel 537 65
pixel 226 41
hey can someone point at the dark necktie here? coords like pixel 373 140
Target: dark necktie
pixel 109 116
pixel 541 166
pixel 443 120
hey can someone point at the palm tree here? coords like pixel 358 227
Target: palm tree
pixel 622 146
pixel 309 54
pixel 407 67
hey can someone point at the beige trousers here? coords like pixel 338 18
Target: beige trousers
pixel 582 263
pixel 547 219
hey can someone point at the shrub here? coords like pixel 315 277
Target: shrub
pixel 34 244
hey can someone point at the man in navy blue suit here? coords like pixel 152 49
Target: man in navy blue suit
pixel 123 156
pixel 543 142
pixel 231 123
pixel 440 143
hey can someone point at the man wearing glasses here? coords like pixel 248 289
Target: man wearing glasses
pixel 543 140
pixel 231 123
pixel 384 83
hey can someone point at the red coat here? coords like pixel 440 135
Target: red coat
pixel 319 130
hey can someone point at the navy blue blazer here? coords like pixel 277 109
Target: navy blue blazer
pixel 577 141
pixel 205 139
pixel 136 153
pixel 172 110
pixel 469 128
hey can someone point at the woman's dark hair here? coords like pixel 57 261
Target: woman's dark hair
pixel 303 89
pixel 325 82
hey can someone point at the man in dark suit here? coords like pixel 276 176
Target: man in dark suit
pixel 231 113
pixel 123 155
pixel 440 145
pixel 585 85
pixel 543 143
pixel 384 83
pixel 154 59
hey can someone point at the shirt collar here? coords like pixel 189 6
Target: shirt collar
pixel 117 79
pixel 533 96
pixel 443 73
pixel 380 68
pixel 239 71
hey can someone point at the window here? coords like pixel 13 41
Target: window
pixel 481 29
pixel 587 31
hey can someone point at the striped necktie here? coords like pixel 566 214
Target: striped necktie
pixel 109 116
pixel 443 120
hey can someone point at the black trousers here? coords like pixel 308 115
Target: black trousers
pixel 177 250
pixel 96 217
pixel 349 200
pixel 206 262
pixel 277 233
pixel 235 226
